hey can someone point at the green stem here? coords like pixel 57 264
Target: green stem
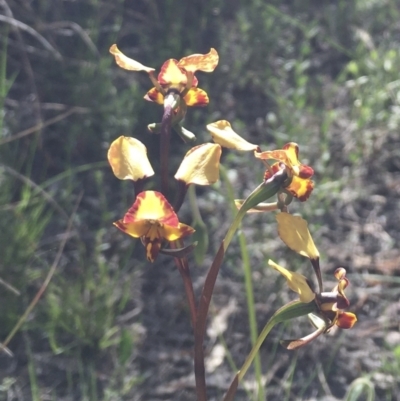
pixel 263 192
pixel 249 291
pixel 287 312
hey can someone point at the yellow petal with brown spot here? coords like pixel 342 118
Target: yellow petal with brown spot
pixel 174 233
pixel 171 76
pixel 152 205
pixel 196 97
pixel 153 95
pixel 300 188
pixel 200 62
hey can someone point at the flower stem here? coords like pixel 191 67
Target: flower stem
pixel 260 194
pixel 164 147
pixel 249 291
pixel 183 267
pixel 205 300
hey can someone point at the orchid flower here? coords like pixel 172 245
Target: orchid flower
pixel 299 182
pixel 328 305
pixel 174 77
pixel 152 219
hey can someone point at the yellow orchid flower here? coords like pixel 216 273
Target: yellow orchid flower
pixel 174 77
pixel 128 159
pixel 300 184
pixel 152 219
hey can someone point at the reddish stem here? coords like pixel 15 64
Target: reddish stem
pixel 202 311
pixel 164 147
pixel 232 389
pixel 183 267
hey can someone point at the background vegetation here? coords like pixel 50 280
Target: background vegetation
pixel 110 327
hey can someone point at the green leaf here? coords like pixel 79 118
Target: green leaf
pixel 125 346
pixel 201 237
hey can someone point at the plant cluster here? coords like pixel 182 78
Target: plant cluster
pixel 153 216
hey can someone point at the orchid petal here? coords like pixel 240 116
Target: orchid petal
pixel 294 233
pixel 152 205
pixel 301 342
pixel 261 207
pixel 136 230
pixel 128 159
pixel 222 133
pixel 277 154
pixel 300 188
pixel 200 62
pixel 196 97
pixel 200 165
pixel 154 95
pixel 174 233
pixel 296 282
pixel 346 320
pixel 126 62
pixel 171 76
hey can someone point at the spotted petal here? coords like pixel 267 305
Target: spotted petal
pixel 152 205
pixel 174 233
pixel 196 97
pixel 154 95
pixel 289 156
pixel 300 188
pixel 136 229
pixel 296 282
pixel 222 133
pixel 200 62
pixel 153 230
pixel 128 159
pixel 127 63
pixel 200 165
